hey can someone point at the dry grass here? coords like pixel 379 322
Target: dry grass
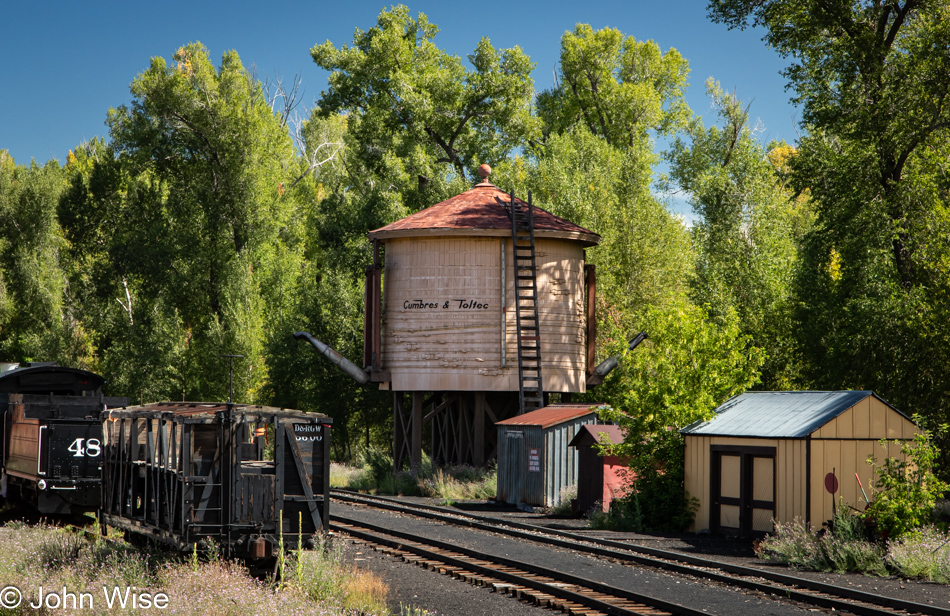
pixel 349 477
pixel 323 576
pixel 460 483
pixel 52 558
pixel 451 483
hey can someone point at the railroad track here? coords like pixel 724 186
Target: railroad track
pixel 540 585
pixel 809 592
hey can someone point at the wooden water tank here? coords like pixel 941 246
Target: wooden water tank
pixel 446 320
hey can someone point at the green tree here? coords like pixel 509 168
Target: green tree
pixel 414 123
pixel 644 255
pixel 596 167
pixel 189 227
pixel 873 74
pixel 872 287
pixel 419 119
pixel 907 490
pixel 688 366
pixel 617 87
pixel 36 320
pixel 328 303
pixel 613 96
pixel 749 229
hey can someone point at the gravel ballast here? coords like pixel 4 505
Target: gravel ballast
pixel 677 588
pixel 680 589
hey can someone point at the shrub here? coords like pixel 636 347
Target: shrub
pixel 906 491
pixel 841 548
pixel 922 553
pixel 795 544
pixel 379 464
pixel 657 500
pixel 624 514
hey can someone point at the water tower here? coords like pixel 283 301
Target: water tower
pixel 476 308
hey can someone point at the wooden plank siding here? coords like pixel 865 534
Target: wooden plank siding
pixel 843 446
pixel 844 458
pixel 432 342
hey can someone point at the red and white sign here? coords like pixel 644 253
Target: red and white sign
pixel 534 460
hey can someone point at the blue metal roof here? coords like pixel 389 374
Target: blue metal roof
pixel 777 414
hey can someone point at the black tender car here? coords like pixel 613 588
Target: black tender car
pixel 51 440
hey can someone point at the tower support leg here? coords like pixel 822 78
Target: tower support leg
pixel 415 459
pixel 402 426
pixel 478 450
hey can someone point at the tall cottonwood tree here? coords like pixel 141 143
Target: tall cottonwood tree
pixel 420 121
pixel 617 87
pixel 871 79
pixel 613 96
pixel 415 122
pixel 36 320
pixel 749 229
pixel 328 303
pixel 197 173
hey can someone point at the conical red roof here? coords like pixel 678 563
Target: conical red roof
pixel 480 211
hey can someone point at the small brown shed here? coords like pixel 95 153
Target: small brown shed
pixel 600 478
pixel 770 454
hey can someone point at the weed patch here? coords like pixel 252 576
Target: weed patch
pixel 323 576
pixel 920 554
pixel 451 483
pixel 924 554
pixel 565 496
pixel 320 581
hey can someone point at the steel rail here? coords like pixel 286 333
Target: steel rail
pixel 477 562
pixel 663 559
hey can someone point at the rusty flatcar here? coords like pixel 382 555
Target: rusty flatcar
pixel 50 445
pixel 188 474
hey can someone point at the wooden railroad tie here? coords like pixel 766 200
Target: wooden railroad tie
pixel 528 595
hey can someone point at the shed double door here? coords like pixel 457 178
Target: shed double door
pixel 743 490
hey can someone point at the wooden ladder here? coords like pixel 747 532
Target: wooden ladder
pixel 530 394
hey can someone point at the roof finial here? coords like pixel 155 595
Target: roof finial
pixel 484 171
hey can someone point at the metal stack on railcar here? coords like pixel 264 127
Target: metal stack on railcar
pixel 50 447
pixel 488 305
pixel 184 473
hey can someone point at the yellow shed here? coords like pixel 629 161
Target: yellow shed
pixel 779 455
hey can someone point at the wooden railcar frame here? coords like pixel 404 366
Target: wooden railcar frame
pixel 186 473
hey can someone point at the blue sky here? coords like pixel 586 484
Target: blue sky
pixel 66 63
